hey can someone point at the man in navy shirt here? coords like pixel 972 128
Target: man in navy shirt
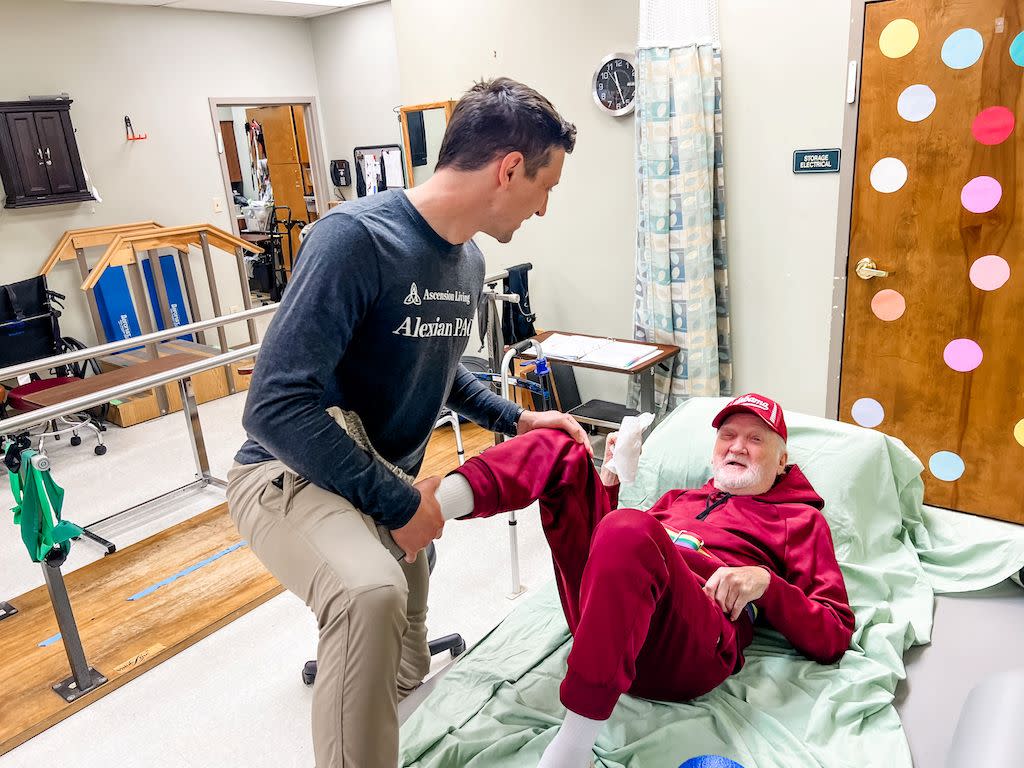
pixel 360 358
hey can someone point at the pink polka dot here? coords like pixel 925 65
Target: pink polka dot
pixel 993 125
pixel 981 194
pixel 990 272
pixel 962 355
pixel 888 305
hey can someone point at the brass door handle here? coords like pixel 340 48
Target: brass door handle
pixel 866 269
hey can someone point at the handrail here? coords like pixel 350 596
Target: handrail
pixel 29 419
pixel 136 341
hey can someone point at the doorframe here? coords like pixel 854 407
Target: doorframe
pixel 311 115
pixel 844 217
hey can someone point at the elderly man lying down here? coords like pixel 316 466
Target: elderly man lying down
pixel 661 603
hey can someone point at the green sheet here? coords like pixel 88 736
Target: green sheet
pixel 499 706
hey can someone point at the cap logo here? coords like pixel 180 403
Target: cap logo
pixel 754 401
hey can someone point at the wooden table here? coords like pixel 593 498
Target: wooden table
pixel 644 369
pixel 92 384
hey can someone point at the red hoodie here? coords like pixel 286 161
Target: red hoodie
pixel 782 531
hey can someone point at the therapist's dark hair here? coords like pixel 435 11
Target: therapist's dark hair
pixel 500 116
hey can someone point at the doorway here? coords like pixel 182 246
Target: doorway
pixel 274 179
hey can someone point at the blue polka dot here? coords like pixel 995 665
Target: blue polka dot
pixel 1017 49
pixel 946 465
pixel 962 48
pixel 710 761
pixel 868 412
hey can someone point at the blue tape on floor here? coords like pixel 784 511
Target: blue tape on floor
pixel 170 579
pixel 186 572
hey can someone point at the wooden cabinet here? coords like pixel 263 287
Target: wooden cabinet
pixel 39 160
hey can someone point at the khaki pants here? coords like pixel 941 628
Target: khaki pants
pixel 370 608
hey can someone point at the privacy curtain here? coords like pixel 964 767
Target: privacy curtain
pixel 681 265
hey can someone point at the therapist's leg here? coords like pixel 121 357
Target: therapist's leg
pixel 329 554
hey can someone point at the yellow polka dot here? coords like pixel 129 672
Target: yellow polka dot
pixel 898 38
pixel 1018 431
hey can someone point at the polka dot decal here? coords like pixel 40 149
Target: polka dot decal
pixel 899 38
pixel 1017 49
pixel 990 272
pixel 888 305
pixel 1018 432
pixel 916 103
pixel 962 49
pixel 888 175
pixel 868 412
pixel 993 125
pixel 962 355
pixel 946 465
pixel 981 194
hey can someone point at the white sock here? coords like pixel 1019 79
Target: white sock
pixel 573 746
pixel 455 495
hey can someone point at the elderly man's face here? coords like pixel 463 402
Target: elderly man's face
pixel 748 456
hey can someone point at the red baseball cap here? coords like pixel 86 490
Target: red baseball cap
pixel 759 405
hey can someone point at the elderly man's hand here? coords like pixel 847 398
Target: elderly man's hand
pixel 733 588
pixel 531 420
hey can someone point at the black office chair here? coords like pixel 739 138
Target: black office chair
pixel 454 644
pixel 29 330
pixel 594 415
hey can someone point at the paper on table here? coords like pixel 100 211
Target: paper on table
pixel 620 354
pixel 567 347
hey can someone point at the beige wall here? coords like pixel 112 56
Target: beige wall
pixel 583 250
pixel 784 88
pixel 158 66
pixel 357 69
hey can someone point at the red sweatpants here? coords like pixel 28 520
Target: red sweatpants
pixel 641 622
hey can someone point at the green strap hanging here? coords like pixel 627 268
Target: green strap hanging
pixel 37 506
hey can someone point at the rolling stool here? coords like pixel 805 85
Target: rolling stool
pixel 454 644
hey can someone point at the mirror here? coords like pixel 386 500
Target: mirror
pixel 423 128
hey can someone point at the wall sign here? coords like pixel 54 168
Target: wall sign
pixel 816 161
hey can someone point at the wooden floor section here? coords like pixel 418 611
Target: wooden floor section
pixel 123 638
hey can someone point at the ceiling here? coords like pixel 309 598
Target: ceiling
pixel 299 8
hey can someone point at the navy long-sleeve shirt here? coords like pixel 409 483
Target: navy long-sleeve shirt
pixel 374 320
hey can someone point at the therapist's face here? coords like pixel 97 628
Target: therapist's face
pixel 520 196
pixel 748 457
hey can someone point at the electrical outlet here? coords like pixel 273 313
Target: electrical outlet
pixel 218 205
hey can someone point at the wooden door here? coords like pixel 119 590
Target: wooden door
pixel 932 351
pixel 278 132
pixel 28 153
pixel 286 179
pixel 55 149
pixel 227 135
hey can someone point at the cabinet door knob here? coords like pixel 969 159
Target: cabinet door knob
pixel 48 161
pixel 40 153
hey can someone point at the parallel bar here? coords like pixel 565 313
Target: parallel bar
pixel 163 301
pixel 66 622
pixel 147 322
pixel 246 293
pixel 212 279
pixel 190 290
pixel 102 350
pixel 94 310
pixel 41 415
pixel 195 429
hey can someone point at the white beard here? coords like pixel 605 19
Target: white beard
pixel 732 479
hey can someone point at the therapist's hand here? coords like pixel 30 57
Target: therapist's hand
pixel 426 523
pixel 733 588
pixel 531 420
